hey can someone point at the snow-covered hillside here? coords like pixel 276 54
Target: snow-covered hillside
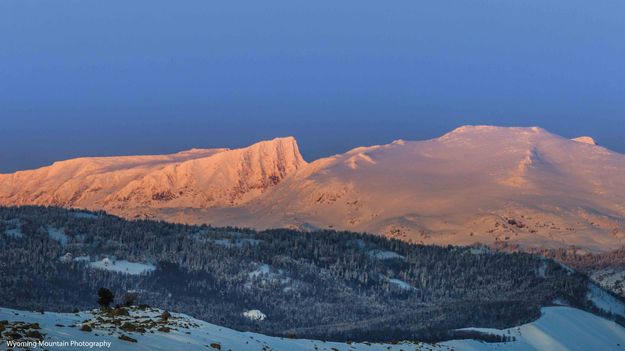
pixel 196 178
pixel 559 329
pixel 520 186
pixel 612 279
pixel 476 184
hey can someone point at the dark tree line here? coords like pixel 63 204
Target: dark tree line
pixel 585 261
pixel 326 285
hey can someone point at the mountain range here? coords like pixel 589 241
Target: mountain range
pixel 522 187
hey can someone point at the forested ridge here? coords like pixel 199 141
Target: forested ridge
pixel 324 285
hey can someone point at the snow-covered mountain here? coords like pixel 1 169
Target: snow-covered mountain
pixel 475 184
pixel 559 328
pixel 483 184
pixel 198 178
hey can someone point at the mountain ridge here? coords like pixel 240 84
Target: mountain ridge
pixel 69 182
pixel 519 186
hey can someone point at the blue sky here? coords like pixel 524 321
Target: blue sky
pixel 85 77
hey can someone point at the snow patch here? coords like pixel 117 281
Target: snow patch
pixel 15 228
pixel 262 269
pixel 604 301
pixel 123 266
pixel 254 315
pixel 58 235
pixel 238 242
pixel 542 269
pixel 265 274
pixel 384 255
pixel 479 250
pixel 401 284
pixel 82 214
pixel 67 258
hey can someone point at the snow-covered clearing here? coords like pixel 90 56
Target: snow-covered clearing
pixel 604 301
pixel 123 266
pixel 58 235
pixel 384 254
pixel 15 228
pixel 401 284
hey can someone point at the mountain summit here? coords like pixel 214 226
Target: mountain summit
pixel 486 184
pixel 198 178
pixel 587 140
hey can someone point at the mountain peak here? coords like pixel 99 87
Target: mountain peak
pixel 585 140
pixel 194 178
pixel 279 140
pixel 472 130
pixel 287 141
pixel 285 148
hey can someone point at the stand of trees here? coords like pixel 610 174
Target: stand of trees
pixel 325 285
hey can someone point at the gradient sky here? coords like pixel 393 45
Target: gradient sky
pixel 84 77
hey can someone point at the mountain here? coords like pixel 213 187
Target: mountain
pixel 198 178
pixel 559 328
pixel 475 184
pixel 495 185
